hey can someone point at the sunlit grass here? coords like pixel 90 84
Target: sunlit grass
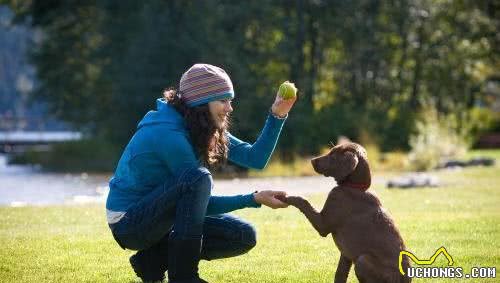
pixel 73 243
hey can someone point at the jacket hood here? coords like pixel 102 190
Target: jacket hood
pixel 164 114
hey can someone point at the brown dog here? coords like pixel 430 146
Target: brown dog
pixel 363 232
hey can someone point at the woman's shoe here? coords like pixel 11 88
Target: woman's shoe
pixel 150 264
pixel 146 268
pixel 183 259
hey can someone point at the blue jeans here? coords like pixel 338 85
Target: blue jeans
pixel 180 208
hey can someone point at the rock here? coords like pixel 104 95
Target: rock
pixel 413 181
pixel 477 161
pixel 453 164
pixel 481 161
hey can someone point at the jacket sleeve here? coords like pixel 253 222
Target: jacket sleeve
pixel 256 155
pixel 224 204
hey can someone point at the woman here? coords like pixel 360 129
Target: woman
pixel 159 201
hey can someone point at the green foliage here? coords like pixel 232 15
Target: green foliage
pixel 94 155
pixel 360 66
pixel 480 120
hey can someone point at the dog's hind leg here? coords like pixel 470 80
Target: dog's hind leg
pixel 366 271
pixel 342 269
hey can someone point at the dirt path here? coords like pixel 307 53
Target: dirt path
pixel 292 185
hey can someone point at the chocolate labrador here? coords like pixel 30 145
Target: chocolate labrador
pixel 363 232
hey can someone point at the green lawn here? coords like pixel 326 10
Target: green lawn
pixel 73 244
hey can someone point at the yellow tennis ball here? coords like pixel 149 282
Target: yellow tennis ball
pixel 287 90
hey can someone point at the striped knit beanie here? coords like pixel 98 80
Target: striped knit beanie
pixel 203 83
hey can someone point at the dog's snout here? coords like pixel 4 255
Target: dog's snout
pixel 319 165
pixel 314 163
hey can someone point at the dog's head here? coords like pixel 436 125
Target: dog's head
pixel 347 162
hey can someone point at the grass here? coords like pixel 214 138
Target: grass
pixel 73 243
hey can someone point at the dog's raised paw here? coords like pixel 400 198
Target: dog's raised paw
pixel 296 201
pixel 281 198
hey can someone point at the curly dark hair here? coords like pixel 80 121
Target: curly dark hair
pixel 210 143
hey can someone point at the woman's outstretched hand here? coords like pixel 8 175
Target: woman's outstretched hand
pixel 281 106
pixel 270 198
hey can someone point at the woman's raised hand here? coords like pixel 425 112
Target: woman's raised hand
pixel 281 106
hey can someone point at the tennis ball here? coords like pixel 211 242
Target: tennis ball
pixel 287 90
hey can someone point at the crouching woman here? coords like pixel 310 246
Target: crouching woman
pixel 160 201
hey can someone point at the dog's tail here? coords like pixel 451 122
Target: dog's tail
pixel 405 263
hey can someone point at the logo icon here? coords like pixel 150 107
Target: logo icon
pixel 430 261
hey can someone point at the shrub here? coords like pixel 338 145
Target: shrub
pixel 437 138
pixel 481 120
pixel 89 155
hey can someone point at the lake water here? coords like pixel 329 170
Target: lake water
pixel 27 185
pixel 22 185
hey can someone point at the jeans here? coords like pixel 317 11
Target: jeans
pixel 179 208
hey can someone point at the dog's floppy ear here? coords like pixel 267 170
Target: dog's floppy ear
pixel 346 163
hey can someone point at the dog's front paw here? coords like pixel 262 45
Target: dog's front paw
pixel 297 201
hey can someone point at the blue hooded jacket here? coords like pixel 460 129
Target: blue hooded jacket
pixel 161 149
